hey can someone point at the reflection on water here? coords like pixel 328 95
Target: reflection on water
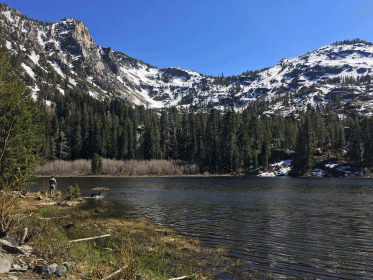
pixel 289 227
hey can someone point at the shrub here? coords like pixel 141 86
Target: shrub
pixel 74 191
pixel 96 164
pixel 7 205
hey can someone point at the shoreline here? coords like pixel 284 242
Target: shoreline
pixel 151 251
pixel 199 176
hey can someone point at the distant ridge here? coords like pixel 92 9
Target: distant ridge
pixel 56 57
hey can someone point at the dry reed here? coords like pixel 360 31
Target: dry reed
pixel 119 168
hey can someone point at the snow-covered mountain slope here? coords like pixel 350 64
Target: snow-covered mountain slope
pixel 53 57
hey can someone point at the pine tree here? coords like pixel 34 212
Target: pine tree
pixel 21 129
pixel 96 164
pixel 305 146
pixel 355 151
pixel 368 142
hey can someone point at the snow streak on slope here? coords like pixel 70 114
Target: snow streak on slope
pixel 66 49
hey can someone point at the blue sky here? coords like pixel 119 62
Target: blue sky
pixel 212 37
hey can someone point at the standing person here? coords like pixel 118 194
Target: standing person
pixel 52 185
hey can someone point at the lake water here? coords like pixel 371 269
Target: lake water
pixel 309 228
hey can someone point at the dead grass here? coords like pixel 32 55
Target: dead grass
pixel 145 251
pixel 8 203
pixel 119 168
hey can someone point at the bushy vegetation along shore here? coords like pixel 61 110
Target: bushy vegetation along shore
pixel 114 167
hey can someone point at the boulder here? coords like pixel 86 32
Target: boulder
pixel 6 262
pixel 19 267
pixel 8 241
pixel 12 241
pixel 45 271
pixel 61 270
pixel 69 225
pixel 15 250
pixel 54 269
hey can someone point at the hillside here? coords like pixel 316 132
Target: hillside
pixel 52 57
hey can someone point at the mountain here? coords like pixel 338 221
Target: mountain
pixel 54 57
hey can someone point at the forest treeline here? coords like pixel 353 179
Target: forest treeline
pixel 217 141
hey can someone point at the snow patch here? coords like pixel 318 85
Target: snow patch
pixel 8 45
pixel 57 68
pixel 61 91
pixel 93 94
pixel 318 172
pixel 29 71
pixel 34 57
pixel 35 92
pixel 8 15
pixel 266 174
pixel 72 81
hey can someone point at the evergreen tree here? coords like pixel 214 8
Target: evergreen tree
pixel 355 151
pixel 21 128
pixel 305 146
pixel 368 142
pixel 96 164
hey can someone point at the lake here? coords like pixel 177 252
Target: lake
pixel 309 228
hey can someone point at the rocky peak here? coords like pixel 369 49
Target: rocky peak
pixel 4 7
pixel 67 52
pixel 76 39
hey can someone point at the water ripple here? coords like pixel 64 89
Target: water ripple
pixel 289 228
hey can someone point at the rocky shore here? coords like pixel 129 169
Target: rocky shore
pixel 56 238
pixel 17 259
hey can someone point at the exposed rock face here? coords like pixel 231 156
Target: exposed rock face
pixel 6 262
pixel 74 38
pixel 61 56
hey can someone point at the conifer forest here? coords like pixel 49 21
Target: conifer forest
pixel 226 141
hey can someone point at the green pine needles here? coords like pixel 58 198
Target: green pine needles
pixel 96 164
pixel 21 129
pixel 74 191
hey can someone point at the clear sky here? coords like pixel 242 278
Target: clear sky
pixel 212 37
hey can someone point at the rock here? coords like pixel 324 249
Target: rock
pixel 19 267
pixel 24 193
pixel 15 250
pixel 68 265
pixel 61 270
pixel 54 269
pixel 42 270
pixel 16 267
pixel 26 249
pixel 8 241
pixel 11 241
pixel 6 262
pixel 45 271
pixel 69 225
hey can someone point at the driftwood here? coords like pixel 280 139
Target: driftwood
pixel 180 278
pixel 55 217
pixel 24 236
pixel 114 273
pixel 90 238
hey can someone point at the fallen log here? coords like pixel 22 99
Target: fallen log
pixel 55 217
pixel 114 273
pixel 90 238
pixel 180 278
